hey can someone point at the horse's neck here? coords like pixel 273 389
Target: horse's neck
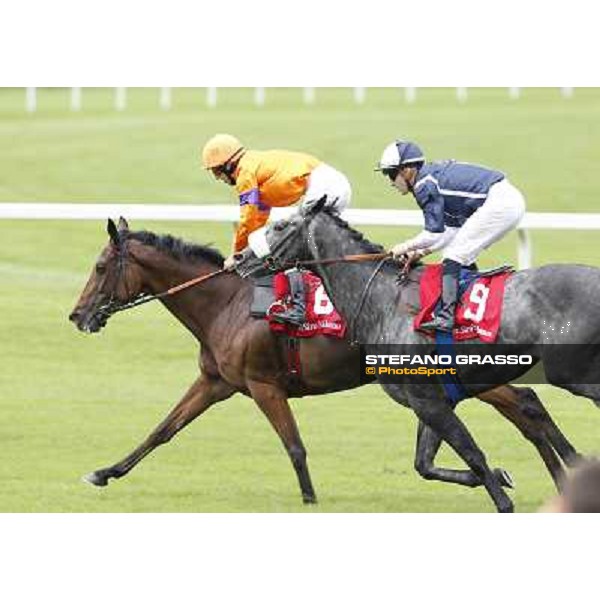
pixel 198 306
pixel 346 283
pixel 337 275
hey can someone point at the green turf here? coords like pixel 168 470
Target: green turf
pixel 72 403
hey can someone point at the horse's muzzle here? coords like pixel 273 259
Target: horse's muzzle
pixel 88 324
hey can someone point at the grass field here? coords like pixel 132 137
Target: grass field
pixel 72 403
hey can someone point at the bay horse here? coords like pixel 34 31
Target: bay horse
pixel 239 353
pixel 550 314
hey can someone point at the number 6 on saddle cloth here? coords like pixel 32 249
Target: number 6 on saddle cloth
pixel 271 294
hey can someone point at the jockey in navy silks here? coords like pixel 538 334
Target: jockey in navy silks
pixel 466 209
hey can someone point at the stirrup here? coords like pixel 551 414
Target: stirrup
pixel 438 325
pixel 289 317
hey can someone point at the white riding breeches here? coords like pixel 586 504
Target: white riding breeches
pixel 327 181
pixel 500 213
pixel 323 181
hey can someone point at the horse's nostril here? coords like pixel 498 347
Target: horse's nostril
pixel 73 316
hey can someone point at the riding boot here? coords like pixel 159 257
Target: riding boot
pixel 296 314
pixel 444 318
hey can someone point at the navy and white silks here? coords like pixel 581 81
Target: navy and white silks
pixel 466 208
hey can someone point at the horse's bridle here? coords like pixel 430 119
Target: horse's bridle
pixel 274 263
pixel 105 311
pixel 114 305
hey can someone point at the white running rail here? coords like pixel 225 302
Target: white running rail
pixel 230 213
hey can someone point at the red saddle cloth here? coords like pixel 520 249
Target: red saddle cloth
pixel 479 310
pixel 321 316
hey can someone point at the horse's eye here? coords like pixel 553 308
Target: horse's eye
pixel 281 225
pixel 100 269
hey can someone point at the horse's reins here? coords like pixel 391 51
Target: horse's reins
pixel 112 306
pixel 363 297
pixel 347 258
pixel 273 264
pixel 144 298
pixel 382 257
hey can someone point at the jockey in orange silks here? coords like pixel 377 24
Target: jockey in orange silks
pixel 273 178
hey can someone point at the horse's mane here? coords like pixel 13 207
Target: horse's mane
pixel 368 246
pixel 178 248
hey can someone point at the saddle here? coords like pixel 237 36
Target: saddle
pixel 270 294
pixel 479 309
pixel 263 297
pixel 469 275
pixel 321 316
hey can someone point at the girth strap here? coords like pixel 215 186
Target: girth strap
pixel 293 357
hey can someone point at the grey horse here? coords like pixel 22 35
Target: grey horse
pixel 543 309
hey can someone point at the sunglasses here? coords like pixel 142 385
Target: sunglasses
pixel 391 173
pixel 220 172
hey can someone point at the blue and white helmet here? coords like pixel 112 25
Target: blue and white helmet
pixel 398 154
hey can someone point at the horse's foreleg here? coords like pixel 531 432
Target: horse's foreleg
pixel 428 444
pixel 273 402
pixel 435 412
pixel 202 394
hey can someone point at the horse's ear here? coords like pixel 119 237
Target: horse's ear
pixel 318 205
pixel 123 224
pixel 315 207
pixel 112 231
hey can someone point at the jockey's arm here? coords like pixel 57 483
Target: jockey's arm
pixel 253 215
pixel 424 241
pixel 433 237
pixel 444 239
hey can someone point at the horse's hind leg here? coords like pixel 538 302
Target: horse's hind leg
pixel 532 407
pixel 428 444
pixel 273 401
pixel 523 409
pixel 205 392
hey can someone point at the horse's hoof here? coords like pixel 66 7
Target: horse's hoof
pixel 95 478
pixel 309 499
pixel 504 478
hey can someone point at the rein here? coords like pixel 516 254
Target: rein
pixel 363 297
pixel 144 298
pixel 113 306
pixel 274 264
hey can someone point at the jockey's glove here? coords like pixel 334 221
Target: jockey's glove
pixel 399 250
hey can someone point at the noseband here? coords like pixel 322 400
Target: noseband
pixel 114 305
